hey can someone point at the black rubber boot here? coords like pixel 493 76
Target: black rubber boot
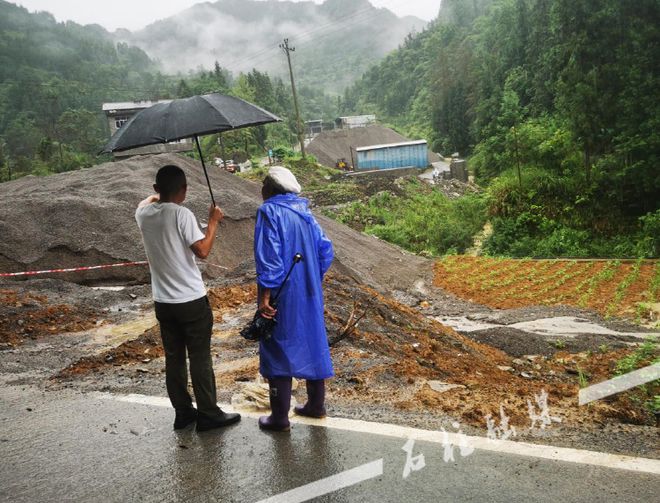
pixel 315 406
pixel 280 401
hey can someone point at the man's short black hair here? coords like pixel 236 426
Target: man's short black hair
pixel 170 179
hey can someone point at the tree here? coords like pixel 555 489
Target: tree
pixel 22 136
pixel 45 150
pixel 183 90
pixel 80 129
pixel 219 76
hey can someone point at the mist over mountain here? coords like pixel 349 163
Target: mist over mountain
pixel 335 42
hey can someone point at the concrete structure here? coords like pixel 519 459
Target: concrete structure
pixel 413 154
pixel 313 128
pixel 458 170
pixel 354 121
pixel 120 113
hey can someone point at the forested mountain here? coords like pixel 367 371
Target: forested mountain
pixel 54 78
pixel 335 42
pixel 556 101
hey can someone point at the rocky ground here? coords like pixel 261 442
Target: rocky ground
pixel 393 360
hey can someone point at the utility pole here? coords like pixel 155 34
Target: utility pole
pixel 285 47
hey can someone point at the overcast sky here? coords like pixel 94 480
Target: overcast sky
pixel 135 14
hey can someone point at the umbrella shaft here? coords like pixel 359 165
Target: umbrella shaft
pixel 208 182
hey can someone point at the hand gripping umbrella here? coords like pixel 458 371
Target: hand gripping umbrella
pixel 188 118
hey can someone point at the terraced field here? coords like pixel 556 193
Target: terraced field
pixel 610 287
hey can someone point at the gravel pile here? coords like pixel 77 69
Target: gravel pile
pixel 330 146
pixel 86 218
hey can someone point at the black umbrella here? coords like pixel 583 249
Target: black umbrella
pixel 188 118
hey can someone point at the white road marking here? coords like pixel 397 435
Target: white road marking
pixel 564 454
pixel 619 384
pixel 329 484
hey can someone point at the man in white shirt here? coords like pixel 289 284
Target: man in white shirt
pixel 172 239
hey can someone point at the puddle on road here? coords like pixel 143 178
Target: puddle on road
pixel 560 326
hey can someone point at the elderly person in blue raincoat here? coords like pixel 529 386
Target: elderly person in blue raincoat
pixel 298 346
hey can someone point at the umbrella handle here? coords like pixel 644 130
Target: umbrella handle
pixel 208 182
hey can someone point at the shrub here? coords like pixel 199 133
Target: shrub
pixel 648 244
pixel 420 221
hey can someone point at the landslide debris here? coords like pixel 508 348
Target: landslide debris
pixel 86 217
pixel 25 315
pixel 144 348
pixel 386 354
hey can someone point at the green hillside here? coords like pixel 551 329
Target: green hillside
pixel 557 103
pixel 54 77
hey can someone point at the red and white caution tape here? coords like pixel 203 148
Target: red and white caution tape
pixel 73 269
pixel 87 268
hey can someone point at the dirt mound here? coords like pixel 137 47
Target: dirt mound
pixel 330 146
pixel 86 218
pixel 143 349
pixel 396 357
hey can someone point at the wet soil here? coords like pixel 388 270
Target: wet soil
pixel 142 349
pixel 31 316
pixel 385 365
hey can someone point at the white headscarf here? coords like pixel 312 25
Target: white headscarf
pixel 284 179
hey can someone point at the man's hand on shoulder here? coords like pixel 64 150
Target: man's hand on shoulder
pixel 149 200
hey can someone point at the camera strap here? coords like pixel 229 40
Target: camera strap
pixel 296 258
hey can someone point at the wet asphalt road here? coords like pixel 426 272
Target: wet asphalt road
pixel 66 446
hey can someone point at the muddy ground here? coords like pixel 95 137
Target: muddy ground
pixel 388 368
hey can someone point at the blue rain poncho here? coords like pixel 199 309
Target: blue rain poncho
pixel 299 345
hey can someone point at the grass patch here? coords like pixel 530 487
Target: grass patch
pixel 421 220
pixel 646 354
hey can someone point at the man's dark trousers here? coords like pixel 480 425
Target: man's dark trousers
pixel 187 327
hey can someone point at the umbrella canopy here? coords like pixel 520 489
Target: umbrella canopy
pixel 188 118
